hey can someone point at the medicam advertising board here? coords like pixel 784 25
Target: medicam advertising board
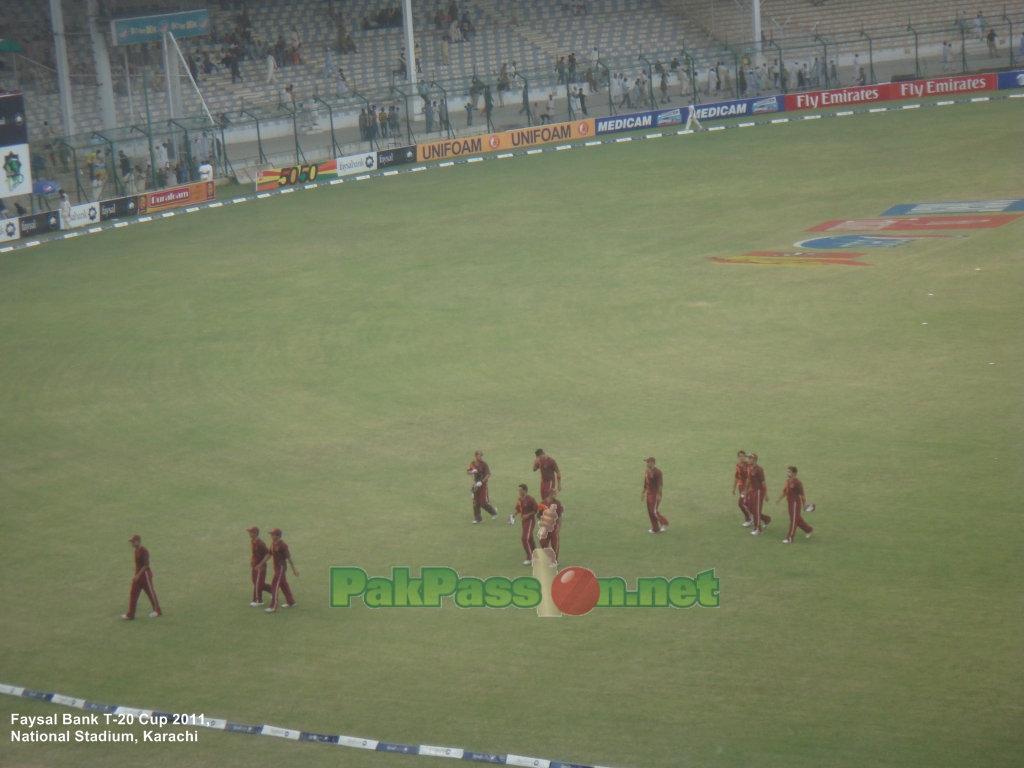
pixel 661 118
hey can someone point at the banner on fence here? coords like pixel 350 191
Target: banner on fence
pixel 9 230
pixel 119 207
pixel 942 86
pixel 295 174
pixel 153 202
pixel 660 118
pixel 81 216
pixel 1008 80
pixel 16 172
pixel 507 140
pixel 361 163
pixel 150 29
pixel 400 156
pixel 39 223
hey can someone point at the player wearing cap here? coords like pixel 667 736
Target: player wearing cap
pixel 740 483
pixel 481 498
pixel 794 494
pixel 755 491
pixel 549 474
pixel 526 509
pixel 258 563
pixel 282 558
pixel 653 484
pixel 142 582
pixel 553 537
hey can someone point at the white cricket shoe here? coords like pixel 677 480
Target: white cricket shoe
pixel 787 541
pixel 767 524
pixel 808 535
pixel 255 605
pixel 527 562
pixel 755 533
pixel 126 617
pixel 477 521
pixel 155 615
pixel 748 523
pixel 270 610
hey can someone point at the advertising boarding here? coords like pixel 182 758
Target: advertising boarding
pixel 275 178
pixel 39 223
pixel 9 230
pixel 661 118
pixel 1011 80
pixel 190 194
pixel 119 207
pixel 399 156
pixel 150 29
pixel 16 174
pixel 518 138
pixel 81 216
pixel 364 162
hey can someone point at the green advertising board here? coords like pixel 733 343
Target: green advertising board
pixel 149 29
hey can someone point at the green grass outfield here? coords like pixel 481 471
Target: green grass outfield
pixel 328 361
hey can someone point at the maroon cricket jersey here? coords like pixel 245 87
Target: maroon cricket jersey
pixel 653 481
pixel 482 470
pixel 259 551
pixel 756 478
pixel 794 489
pixel 742 470
pixel 527 507
pixel 141 559
pixel 548 469
pixel 281 553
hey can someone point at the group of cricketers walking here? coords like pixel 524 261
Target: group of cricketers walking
pixel 544 517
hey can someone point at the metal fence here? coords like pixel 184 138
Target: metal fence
pixel 312 127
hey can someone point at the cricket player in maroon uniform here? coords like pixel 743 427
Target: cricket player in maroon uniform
pixel 740 483
pixel 142 582
pixel 653 484
pixel 756 491
pixel 282 559
pixel 526 508
pixel 794 494
pixel 481 498
pixel 549 474
pixel 553 537
pixel 258 563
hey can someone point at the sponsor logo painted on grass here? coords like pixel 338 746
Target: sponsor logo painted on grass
pixel 574 591
pixel 963 206
pixel 916 223
pixel 864 241
pixel 793 259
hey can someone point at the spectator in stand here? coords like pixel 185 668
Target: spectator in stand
pixel 271 69
pixel 560 70
pixel 535 114
pixel 445 51
pixel 592 83
pixel 551 108
pixel 862 78
pixel 979 26
pixel 394 123
pixel 428 115
pixel 364 133
pixel 991 39
pixel 442 111
pixel 1020 51
pixel 206 170
pixel 833 72
pixel 856 65
pixel 572 67
pixel 469 113
pixel 467 27
pixel 595 57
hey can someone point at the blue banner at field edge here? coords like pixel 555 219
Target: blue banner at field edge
pixel 661 118
pixel 1010 80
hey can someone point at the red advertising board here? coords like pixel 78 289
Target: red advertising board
pixel 913 89
pixel 176 197
pixel 943 86
pixel 915 223
pixel 838 97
